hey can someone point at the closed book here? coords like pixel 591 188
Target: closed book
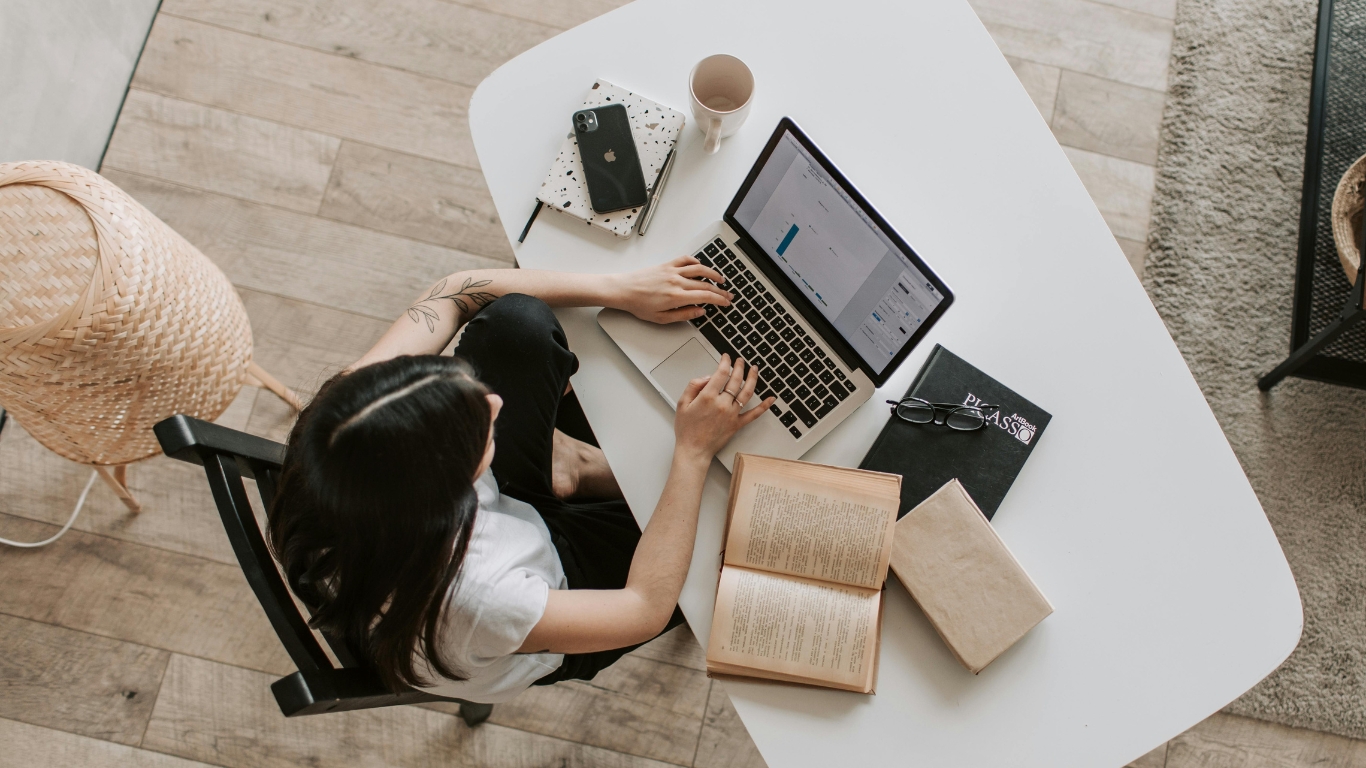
pixel 985 460
pixel 971 588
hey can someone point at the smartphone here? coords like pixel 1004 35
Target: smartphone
pixel 611 167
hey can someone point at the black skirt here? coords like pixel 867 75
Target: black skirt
pixel 519 351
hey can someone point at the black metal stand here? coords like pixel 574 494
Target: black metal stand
pixel 1351 314
pixel 1326 342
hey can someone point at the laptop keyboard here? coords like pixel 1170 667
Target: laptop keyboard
pixel 792 366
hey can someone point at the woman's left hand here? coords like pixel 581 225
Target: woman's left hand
pixel 669 292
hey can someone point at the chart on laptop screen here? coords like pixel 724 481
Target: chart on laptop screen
pixel 873 295
pixel 818 239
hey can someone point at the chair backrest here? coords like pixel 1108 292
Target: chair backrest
pixel 228 456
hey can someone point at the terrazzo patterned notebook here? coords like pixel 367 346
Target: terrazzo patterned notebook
pixel 655 127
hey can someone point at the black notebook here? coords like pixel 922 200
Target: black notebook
pixel 986 461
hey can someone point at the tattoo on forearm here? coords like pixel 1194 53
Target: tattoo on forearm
pixel 469 294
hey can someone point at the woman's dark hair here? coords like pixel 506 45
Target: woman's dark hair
pixel 376 502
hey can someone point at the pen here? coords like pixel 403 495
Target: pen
pixel 659 188
pixel 529 221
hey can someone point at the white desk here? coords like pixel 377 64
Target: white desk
pixel 1133 515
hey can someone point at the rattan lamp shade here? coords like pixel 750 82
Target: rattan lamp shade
pixel 109 320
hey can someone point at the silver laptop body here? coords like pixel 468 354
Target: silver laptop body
pixel 788 313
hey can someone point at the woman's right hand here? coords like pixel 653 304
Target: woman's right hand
pixel 710 410
pixel 586 620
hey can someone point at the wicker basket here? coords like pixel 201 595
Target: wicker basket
pixel 1346 217
pixel 109 320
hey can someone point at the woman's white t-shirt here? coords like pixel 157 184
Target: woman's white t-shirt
pixel 501 592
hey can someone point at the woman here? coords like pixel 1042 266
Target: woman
pixel 474 571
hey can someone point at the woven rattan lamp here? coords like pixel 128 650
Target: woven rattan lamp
pixel 109 321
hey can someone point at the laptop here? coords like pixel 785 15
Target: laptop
pixel 828 301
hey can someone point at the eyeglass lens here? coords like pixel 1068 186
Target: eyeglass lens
pixel 918 413
pixel 964 417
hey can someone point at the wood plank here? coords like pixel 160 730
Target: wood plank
pixel 221 151
pixel 336 95
pixel 1164 9
pixel 1040 81
pixel 178 511
pixel 138 594
pixel 725 743
pixel 1121 189
pixel 677 646
pixel 1082 36
pixel 304 344
pixel 1136 252
pixel 443 40
pixel 303 257
pixel 1154 759
pixel 272 419
pixel 415 197
pixel 1108 117
pixel 558 13
pixel 1228 740
pixel 30 745
pixel 636 706
pixel 76 681
pixel 226 715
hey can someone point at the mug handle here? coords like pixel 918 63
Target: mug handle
pixel 713 136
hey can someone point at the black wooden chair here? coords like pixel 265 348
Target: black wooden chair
pixel 228 456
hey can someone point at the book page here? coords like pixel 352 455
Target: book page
pixel 798 628
pixel 825 523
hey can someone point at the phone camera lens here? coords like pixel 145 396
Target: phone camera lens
pixel 581 127
pixel 582 117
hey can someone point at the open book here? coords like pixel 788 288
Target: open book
pixel 806 555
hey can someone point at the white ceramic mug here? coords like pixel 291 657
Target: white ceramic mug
pixel 722 89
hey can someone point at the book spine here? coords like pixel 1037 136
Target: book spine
pixel 936 355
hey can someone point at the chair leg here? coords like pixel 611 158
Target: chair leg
pixel 117 480
pixel 474 714
pixel 273 384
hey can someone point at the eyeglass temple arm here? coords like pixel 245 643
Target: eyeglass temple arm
pixel 955 405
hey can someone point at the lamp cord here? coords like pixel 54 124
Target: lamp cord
pixel 80 502
pixel 70 521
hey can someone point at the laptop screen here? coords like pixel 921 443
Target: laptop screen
pixel 834 252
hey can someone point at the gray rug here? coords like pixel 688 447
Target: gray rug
pixel 1220 271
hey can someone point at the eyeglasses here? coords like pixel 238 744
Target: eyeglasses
pixel 961 417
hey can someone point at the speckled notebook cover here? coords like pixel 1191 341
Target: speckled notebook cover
pixel 655 128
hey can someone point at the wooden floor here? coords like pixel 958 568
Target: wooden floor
pixel 318 151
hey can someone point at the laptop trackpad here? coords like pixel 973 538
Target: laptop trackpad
pixel 688 362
